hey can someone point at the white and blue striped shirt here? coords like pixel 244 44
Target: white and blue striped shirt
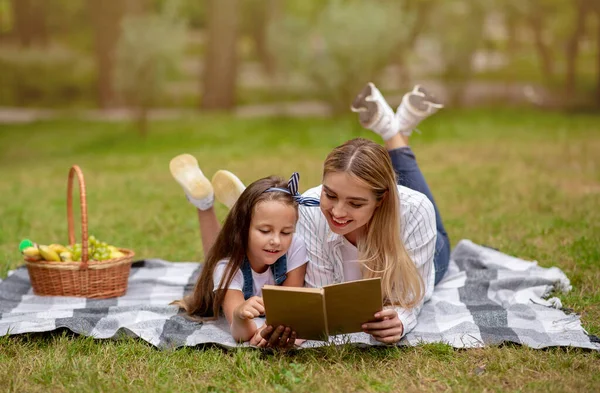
pixel 323 246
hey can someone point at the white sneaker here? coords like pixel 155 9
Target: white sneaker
pixel 416 106
pixel 374 113
pixel 198 189
pixel 228 187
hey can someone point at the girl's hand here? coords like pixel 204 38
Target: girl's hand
pixel 387 328
pixel 250 309
pixel 280 338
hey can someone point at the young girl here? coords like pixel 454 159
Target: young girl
pixel 256 246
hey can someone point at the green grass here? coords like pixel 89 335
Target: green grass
pixel 525 182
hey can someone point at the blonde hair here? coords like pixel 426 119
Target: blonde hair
pixel 381 250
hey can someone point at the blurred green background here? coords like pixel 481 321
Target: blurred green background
pixel 141 55
pixel 513 159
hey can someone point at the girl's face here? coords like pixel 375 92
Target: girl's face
pixel 271 230
pixel 348 204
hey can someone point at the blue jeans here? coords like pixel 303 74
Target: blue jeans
pixel 409 175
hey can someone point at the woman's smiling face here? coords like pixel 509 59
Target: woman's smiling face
pixel 348 204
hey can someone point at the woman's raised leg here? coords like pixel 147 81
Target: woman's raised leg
pixel 396 128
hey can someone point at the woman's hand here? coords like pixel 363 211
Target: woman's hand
pixel 281 337
pixel 250 309
pixel 387 328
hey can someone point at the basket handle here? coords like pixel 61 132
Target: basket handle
pixel 84 224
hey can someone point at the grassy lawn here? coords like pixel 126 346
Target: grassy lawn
pixel 525 182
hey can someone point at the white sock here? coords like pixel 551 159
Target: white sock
pixel 204 203
pixel 407 120
pixel 384 122
pixel 387 131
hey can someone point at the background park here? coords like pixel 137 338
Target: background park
pixel 262 87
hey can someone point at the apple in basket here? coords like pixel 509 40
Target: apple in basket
pixel 97 251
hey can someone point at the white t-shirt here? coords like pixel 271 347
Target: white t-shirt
pixel 352 270
pixel 327 253
pixel 296 257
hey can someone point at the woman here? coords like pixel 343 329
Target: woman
pixel 367 226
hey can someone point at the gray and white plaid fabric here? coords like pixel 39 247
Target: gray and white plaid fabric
pixel 486 298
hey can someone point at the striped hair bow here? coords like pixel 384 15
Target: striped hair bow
pixel 292 189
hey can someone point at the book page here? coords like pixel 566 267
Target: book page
pixel 348 305
pixel 302 309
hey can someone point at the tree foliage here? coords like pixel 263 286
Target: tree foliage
pixel 343 46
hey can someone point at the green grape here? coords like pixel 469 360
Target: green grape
pixel 92 239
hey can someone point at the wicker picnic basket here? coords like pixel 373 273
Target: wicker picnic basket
pixel 90 279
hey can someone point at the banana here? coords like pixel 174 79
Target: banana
pixel 58 248
pixel 66 256
pixel 49 254
pixel 31 254
pixel 116 254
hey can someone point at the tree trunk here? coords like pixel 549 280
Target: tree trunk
pixel 572 49
pixel 30 22
pixel 598 54
pixel 220 71
pixel 267 12
pixel 537 26
pixel 136 7
pixel 22 17
pixel 39 27
pixel 106 20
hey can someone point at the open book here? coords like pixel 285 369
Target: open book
pixel 317 313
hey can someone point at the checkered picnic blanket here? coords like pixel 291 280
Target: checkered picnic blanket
pixel 486 298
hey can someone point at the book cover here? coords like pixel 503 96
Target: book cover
pixel 317 313
pixel 300 308
pixel 348 305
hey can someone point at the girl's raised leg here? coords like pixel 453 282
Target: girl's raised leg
pixel 199 191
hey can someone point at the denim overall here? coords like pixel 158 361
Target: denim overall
pixel 279 269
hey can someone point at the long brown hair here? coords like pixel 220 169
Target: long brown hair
pixel 231 244
pixel 381 250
